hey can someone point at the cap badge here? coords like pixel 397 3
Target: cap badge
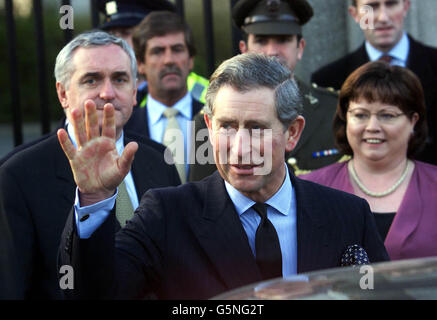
pixel 273 5
pixel 311 98
pixel 111 8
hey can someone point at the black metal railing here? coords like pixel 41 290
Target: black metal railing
pixel 68 35
pixel 13 74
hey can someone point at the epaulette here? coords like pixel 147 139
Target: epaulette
pixel 345 158
pixel 292 162
pixel 297 171
pixel 330 90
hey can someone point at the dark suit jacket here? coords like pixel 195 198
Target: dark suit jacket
pixel 37 191
pixel 188 242
pixel 8 261
pixel 26 145
pixel 319 107
pixel 422 60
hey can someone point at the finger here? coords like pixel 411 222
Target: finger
pixel 108 126
pixel 66 144
pixel 128 155
pixel 79 127
pixel 91 120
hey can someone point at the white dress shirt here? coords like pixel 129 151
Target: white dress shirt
pixel 158 122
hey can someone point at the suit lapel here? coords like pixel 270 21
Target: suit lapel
pixel 63 171
pixel 418 63
pixel 196 107
pixel 140 170
pixel 312 242
pixel 144 119
pixel 223 238
pixel 408 216
pixel 358 58
pixel 415 61
pixel 138 122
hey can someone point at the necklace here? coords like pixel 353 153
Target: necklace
pixel 351 170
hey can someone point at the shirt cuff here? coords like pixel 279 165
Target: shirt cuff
pixel 90 218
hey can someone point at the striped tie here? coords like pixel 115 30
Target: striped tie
pixel 123 205
pixel 168 138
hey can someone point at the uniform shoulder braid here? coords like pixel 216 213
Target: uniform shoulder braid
pixel 325 90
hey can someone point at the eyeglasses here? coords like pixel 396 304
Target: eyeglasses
pixel 362 116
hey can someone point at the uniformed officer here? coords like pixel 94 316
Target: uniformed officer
pixel 274 27
pixel 121 18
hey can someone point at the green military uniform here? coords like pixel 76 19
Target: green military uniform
pixel 315 148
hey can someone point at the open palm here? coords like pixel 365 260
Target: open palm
pixel 97 167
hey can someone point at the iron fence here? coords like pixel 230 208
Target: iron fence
pixel 11 39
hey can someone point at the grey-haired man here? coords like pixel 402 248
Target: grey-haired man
pixel 95 71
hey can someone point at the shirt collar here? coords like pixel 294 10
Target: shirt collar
pixel 118 144
pixel 399 51
pixel 156 108
pixel 281 200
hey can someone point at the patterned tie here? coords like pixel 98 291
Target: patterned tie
pixel 168 137
pixel 123 206
pixel 268 250
pixel 386 58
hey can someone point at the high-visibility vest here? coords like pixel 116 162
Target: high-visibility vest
pixel 196 85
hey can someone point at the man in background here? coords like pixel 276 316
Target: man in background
pixel 274 28
pixel 388 41
pixel 95 71
pixel 121 18
pixel 250 221
pixel 165 50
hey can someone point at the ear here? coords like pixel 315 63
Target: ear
pixel 62 95
pixel 301 47
pixel 141 68
pixel 294 132
pixel 353 11
pixel 243 46
pixel 208 122
pixel 407 4
pixel 414 119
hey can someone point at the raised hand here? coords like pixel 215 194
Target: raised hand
pixel 97 167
